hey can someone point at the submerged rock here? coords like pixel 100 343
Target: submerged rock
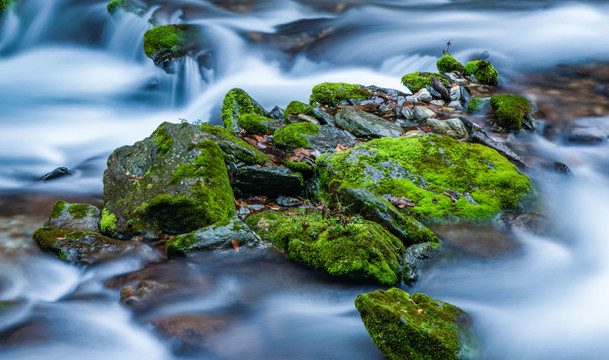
pixel 57 173
pixel 125 5
pixel 173 181
pixel 67 216
pixel 416 255
pixel 343 247
pixel 414 326
pixel 366 125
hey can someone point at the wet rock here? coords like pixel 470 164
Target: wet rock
pixel 288 201
pixel 422 113
pixel 387 92
pixel 174 181
pixel 562 168
pixel 268 180
pixel 450 127
pixel 232 235
pixel 329 137
pixel 456 104
pixel 130 6
pixel 513 111
pixel 480 137
pixel 407 112
pixel 416 256
pixel 190 331
pixel 238 102
pixel 582 136
pixel 140 296
pixel 86 247
pixel 441 89
pixel 483 71
pixel 366 125
pixel 414 326
pixel 276 114
pixel 437 102
pixel 435 94
pixel 68 216
pixel 296 118
pixel 338 94
pixel 166 43
pixel 424 95
pixel 56 174
pixel 323 117
pixel 234 149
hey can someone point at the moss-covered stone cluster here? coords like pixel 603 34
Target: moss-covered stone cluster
pixel 165 43
pixel 237 103
pixel 253 124
pixel 296 107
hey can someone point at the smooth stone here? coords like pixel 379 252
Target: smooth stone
pixel 437 102
pixel 329 137
pixel 56 174
pixel 364 124
pixel 440 88
pixel 424 95
pixel 421 113
pixel 451 127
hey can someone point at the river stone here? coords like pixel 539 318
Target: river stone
pixel 437 102
pixel 268 180
pixel 323 117
pixel 56 174
pixel 87 247
pixel 363 124
pixel 433 172
pixel 450 127
pixel 416 255
pixel 276 114
pixel 407 112
pixel 143 294
pixel 68 216
pixel 422 113
pixel 440 88
pixel 174 181
pixel 435 94
pixel 191 331
pixel 424 95
pixel 231 235
pixel 328 137
pixel 414 326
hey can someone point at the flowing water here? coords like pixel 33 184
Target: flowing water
pixel 74 85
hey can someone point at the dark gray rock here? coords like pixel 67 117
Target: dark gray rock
pixel 323 117
pixel 68 216
pixel 416 255
pixel 366 125
pixel 268 180
pixel 276 114
pixel 328 137
pixel 56 174
pixel 582 136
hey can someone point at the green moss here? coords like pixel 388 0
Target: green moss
pixel 296 107
pixel 447 63
pixel 253 123
pixel 163 140
pixel 417 80
pixel 475 105
pixel 483 71
pixel 78 211
pixel 344 247
pixel 237 102
pixel 413 327
pixel 232 145
pixel 426 169
pixel 302 168
pixel 108 223
pixel 335 93
pixel 126 5
pixel 46 237
pixel 510 110
pixel 57 209
pixel 293 135
pixel 172 40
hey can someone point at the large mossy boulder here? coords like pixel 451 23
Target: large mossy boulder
pixel 483 71
pixel 296 135
pixel 238 103
pixel 174 181
pixel 234 148
pixel 414 327
pixel 511 111
pixel 338 94
pixel 445 180
pixel 166 43
pixel 349 248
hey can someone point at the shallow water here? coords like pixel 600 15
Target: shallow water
pixel 75 85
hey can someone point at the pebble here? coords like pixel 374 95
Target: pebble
pixel 437 102
pixel 421 113
pixel 424 95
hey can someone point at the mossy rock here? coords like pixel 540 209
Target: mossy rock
pixel 511 110
pixel 87 247
pixel 236 103
pixel 295 135
pixel 125 5
pixel 337 94
pixel 253 124
pixel 163 44
pixel 475 105
pixel 483 71
pixel 447 63
pixel 414 327
pixel 297 107
pixel 445 179
pixel 173 181
pixel 74 217
pixel 347 248
pixel 233 147
pixel 417 80
pixel 304 169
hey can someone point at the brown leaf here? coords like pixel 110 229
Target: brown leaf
pixel 340 148
pixel 235 244
pixel 302 152
pixel 251 141
pixel 296 158
pixel 258 137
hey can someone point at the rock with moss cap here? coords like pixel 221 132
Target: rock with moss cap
pixel 415 326
pixel 419 80
pixel 236 103
pixel 255 124
pixel 88 247
pixel 445 180
pixel 475 105
pixel 74 217
pixel 513 111
pixel 366 125
pixel 447 63
pixel 166 43
pixel 348 248
pixel 233 147
pixel 232 235
pixel 338 94
pixel 174 181
pixel 295 135
pixel 297 107
pixel 130 6
pixel 483 71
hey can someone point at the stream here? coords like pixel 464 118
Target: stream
pixel 75 85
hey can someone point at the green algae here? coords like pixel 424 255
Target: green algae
pixel 483 71
pixel 335 93
pixel 447 63
pixel 293 135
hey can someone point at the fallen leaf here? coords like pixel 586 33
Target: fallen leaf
pixel 61 238
pixel 296 158
pixel 258 137
pixel 340 148
pixel 420 311
pixel 235 244
pixel 302 152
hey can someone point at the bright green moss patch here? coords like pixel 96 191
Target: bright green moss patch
pixel 447 63
pixel 253 123
pixel 296 107
pixel 46 237
pixel 237 102
pixel 57 209
pixel 78 211
pixel 293 135
pixel 475 105
pixel 445 179
pixel 163 140
pixel 483 71
pixel 107 224
pixel 417 80
pixel 231 145
pixel 126 5
pixel 173 41
pixel 413 326
pixel 510 110
pixel 335 93
pixel 344 247
pixel 302 168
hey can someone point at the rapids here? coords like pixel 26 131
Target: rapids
pixel 75 85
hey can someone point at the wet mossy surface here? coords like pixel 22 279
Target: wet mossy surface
pixel 301 168
pixel 126 5
pixel 447 63
pixel 511 110
pixel 483 71
pixel 293 135
pixel 107 224
pixel 78 211
pixel 57 209
pixel 337 93
pixel 417 80
pixel 445 179
pixel 349 248
pixel 238 102
pixel 413 326
pixel 165 43
pixel 253 124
